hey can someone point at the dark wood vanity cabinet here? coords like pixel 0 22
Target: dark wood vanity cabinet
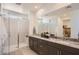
pixel 66 50
pixel 31 43
pixel 43 47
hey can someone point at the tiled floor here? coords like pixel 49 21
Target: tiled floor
pixel 23 51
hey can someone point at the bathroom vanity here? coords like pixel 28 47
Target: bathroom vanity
pixel 53 46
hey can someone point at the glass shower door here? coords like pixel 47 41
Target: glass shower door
pixel 23 30
pixel 16 28
pixel 11 30
pixel 13 34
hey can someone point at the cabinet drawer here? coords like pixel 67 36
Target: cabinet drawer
pixel 52 51
pixel 44 49
pixel 69 50
pixel 63 52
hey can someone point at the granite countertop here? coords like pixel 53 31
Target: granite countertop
pixel 60 41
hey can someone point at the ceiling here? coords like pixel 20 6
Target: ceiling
pixel 34 7
pixel 46 7
pixel 40 8
pixel 65 10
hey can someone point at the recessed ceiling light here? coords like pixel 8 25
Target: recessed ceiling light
pixel 36 7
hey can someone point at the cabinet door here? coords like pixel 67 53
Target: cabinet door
pixel 44 49
pixel 35 44
pixel 53 51
pixel 47 50
pixel 31 43
pixel 66 50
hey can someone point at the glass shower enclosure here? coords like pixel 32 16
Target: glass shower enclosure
pixel 13 31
